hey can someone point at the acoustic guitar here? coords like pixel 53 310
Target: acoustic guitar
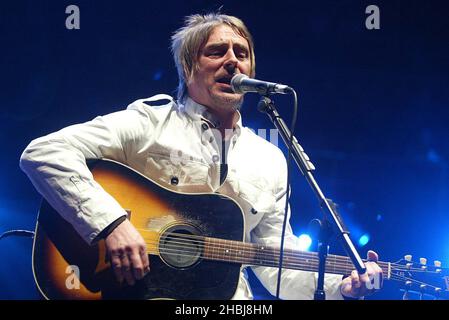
pixel 195 243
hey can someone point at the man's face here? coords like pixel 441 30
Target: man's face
pixel 224 54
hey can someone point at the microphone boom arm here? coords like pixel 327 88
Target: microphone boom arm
pixel 306 167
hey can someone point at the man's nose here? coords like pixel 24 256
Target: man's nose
pixel 231 62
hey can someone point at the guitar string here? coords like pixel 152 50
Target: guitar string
pixel 249 261
pixel 342 260
pixel 313 267
pixel 265 256
pixel 245 246
pixel 347 267
pixel 345 260
pixel 267 259
pixel 403 278
pixel 311 254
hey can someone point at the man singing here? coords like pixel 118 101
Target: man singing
pixel 195 143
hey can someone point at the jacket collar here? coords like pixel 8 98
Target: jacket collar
pixel 198 112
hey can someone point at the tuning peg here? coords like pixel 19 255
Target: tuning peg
pixel 423 262
pixel 437 265
pixel 409 263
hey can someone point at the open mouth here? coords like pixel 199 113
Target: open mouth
pixel 225 84
pixel 224 80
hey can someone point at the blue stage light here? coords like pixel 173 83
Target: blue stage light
pixel 157 75
pixel 364 239
pixel 304 242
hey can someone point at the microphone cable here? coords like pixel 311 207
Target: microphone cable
pixel 21 233
pixel 287 196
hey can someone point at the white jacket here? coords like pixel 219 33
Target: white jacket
pixel 165 142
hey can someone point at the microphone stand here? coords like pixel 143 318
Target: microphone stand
pixel 266 105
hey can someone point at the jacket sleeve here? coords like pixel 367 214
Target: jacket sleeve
pixel 295 284
pixel 56 165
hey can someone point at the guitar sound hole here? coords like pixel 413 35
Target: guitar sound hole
pixel 181 246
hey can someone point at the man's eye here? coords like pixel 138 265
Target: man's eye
pixel 242 54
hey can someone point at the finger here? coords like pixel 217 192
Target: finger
pixel 117 268
pixel 355 280
pixel 381 275
pixel 137 265
pixel 126 269
pixel 365 280
pixel 370 269
pixel 374 268
pixel 377 275
pixel 145 260
pixel 372 256
pixel 346 286
pixel 367 283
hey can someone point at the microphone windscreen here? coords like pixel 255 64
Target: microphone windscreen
pixel 236 82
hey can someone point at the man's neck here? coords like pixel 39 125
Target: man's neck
pixel 228 122
pixel 224 121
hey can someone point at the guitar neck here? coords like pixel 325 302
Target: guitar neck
pixel 260 255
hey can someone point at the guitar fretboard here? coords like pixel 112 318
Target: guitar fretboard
pixel 260 255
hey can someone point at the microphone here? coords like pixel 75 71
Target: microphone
pixel 241 83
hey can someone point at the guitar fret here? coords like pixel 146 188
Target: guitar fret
pixel 257 254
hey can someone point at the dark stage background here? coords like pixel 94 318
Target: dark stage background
pixel 373 117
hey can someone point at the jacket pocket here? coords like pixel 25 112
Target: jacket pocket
pixel 162 169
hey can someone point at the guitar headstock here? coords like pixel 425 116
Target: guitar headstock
pixel 417 277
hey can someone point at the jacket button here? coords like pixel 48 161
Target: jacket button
pixel 215 158
pixel 204 126
pixel 174 181
pixel 253 211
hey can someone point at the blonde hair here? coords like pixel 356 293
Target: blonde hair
pixel 188 40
